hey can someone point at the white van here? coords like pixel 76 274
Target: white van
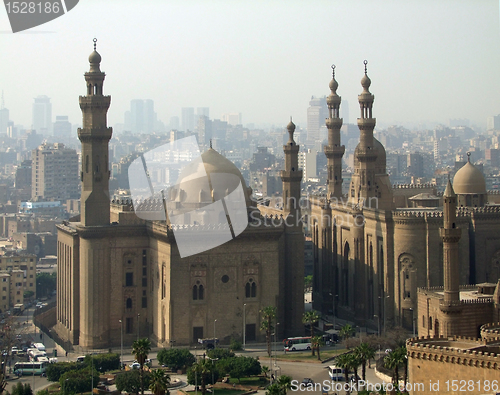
pixel 80 358
pixel 39 346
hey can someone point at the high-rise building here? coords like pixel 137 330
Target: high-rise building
pixel 493 123
pixel 205 111
pixel 233 118
pixel 307 162
pixel 62 128
pixel 316 115
pixel 142 117
pixel 187 114
pixel 42 115
pixel 204 129
pixel 54 172
pixel 4 120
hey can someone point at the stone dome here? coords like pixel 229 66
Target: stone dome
pixel 195 189
pixel 469 180
pixel 95 57
pixel 381 162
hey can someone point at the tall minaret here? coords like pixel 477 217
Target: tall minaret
pixel 95 136
pixel 364 185
pixel 334 151
pixel 450 235
pixel 294 238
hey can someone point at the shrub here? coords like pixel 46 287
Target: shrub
pixel 220 353
pixel 78 381
pixel 56 370
pixel 130 381
pixel 103 362
pixel 235 345
pixel 175 358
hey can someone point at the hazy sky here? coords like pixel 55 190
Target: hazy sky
pixel 429 60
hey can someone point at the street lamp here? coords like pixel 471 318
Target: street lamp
pixel 244 325
pixel 213 384
pixel 138 324
pixel 215 341
pixel 121 344
pixel 334 299
pixel 378 323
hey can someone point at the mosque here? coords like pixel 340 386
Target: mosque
pixel 122 276
pixel 372 253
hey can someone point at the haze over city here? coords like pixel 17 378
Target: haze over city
pixel 429 61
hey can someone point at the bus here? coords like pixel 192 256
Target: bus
pixel 336 373
pixel 297 343
pixel 30 368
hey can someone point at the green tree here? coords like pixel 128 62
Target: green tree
pixel 46 283
pixel 78 381
pixel 141 348
pixel 346 332
pixel 344 361
pixel 201 372
pixel 56 370
pixel 176 358
pixel 280 387
pixel 43 392
pixel 28 294
pixel 268 316
pixel 235 345
pixel 311 318
pixel 365 352
pixel 308 281
pixel 130 381
pixel 265 370
pixel 394 360
pixel 158 382
pixel 317 342
pixel 103 362
pixel 22 389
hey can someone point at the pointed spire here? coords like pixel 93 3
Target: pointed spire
pixel 95 59
pixel 210 143
pixel 449 192
pixel 468 157
pixel 291 129
pixel 365 81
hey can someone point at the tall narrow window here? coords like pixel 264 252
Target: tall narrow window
pixel 129 303
pixel 250 289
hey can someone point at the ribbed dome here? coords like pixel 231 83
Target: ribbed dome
pixel 193 182
pixel 381 162
pixel 469 180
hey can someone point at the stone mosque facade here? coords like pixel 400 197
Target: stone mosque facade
pixel 118 274
pixel 372 253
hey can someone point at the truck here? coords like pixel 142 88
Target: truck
pixel 209 343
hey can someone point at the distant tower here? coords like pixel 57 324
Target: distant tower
pixel 363 181
pixel 334 151
pixel 294 237
pixel 95 136
pixel 450 235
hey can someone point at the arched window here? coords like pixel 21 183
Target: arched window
pixel 198 291
pixel 129 303
pixel 251 289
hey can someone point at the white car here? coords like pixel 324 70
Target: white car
pixel 135 365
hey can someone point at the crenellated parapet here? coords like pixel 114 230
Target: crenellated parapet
pixel 490 332
pixel 455 350
pixel 413 186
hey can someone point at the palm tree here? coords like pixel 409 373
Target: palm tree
pixel 141 348
pixel 365 353
pixel 403 356
pixel 268 315
pixel 265 370
pixel 343 361
pixel 393 361
pixel 284 383
pixel 346 332
pixel 317 342
pixel 311 317
pixel 159 382
pixel 203 369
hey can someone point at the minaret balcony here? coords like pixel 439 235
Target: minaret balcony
pixel 450 235
pixel 366 123
pixel 334 123
pixel 334 151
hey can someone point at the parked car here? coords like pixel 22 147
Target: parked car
pixel 135 365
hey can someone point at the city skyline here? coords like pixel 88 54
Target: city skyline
pixel 428 62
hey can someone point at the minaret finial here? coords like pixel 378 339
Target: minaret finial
pixel 468 157
pixel 365 62
pixel 333 70
pixel 210 143
pixel 95 43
